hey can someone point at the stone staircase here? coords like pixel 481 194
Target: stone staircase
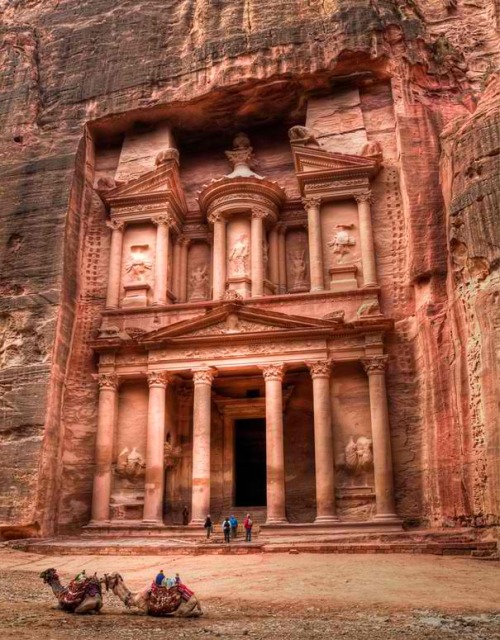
pixel 258 515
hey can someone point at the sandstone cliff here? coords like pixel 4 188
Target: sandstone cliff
pixel 74 71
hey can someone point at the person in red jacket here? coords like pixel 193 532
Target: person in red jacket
pixel 248 524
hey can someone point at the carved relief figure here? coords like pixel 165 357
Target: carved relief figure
pixel 138 264
pixel 341 242
pixel 130 465
pixel 239 256
pixel 302 136
pixel 358 455
pixel 298 267
pixel 199 282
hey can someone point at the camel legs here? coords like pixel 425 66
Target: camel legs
pixel 189 609
pixel 90 605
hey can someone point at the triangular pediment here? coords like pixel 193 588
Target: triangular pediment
pixel 161 184
pixel 315 160
pixel 234 320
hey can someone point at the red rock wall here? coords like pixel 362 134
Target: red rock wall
pixel 104 65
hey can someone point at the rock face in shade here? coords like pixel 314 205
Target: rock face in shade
pixel 83 87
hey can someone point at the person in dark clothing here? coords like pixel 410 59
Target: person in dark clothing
pixel 159 578
pixel 208 525
pixel 226 527
pixel 185 515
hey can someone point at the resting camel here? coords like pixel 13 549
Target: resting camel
pixel 79 596
pixel 178 601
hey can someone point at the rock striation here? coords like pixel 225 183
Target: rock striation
pixel 86 88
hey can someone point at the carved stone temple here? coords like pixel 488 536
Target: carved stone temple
pixel 249 261
pixel 241 350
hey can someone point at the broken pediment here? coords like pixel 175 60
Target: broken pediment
pixel 232 320
pixel 313 159
pixel 162 185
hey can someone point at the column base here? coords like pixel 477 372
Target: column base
pixel 326 520
pixel 197 522
pixel 98 523
pixel 370 285
pixel 316 289
pixel 277 521
pixel 386 517
pixel 153 523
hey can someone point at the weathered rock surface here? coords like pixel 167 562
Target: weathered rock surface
pixel 76 73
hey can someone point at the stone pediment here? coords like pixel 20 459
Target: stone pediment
pixel 311 159
pixel 236 321
pixel 162 185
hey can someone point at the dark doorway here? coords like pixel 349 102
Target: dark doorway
pixel 250 462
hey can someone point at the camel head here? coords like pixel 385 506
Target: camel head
pixel 112 580
pixel 49 575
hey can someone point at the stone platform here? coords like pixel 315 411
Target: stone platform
pixel 457 543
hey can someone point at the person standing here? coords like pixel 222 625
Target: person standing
pixel 208 525
pixel 185 515
pixel 234 527
pixel 226 527
pixel 248 524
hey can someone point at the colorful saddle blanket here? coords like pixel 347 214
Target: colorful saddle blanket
pixel 77 591
pixel 164 601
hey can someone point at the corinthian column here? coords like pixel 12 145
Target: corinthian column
pixel 218 256
pixel 366 239
pixel 183 268
pixel 115 264
pixel 323 443
pixel 381 436
pixel 274 270
pixel 275 454
pixel 201 445
pixel 312 205
pixel 155 441
pixel 162 223
pixel 257 246
pixel 106 419
pixel 176 264
pixel 282 257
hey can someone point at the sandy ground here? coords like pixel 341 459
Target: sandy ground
pixel 265 596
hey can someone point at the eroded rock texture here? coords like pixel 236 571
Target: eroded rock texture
pixel 76 74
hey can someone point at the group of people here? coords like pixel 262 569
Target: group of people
pixel 161 580
pixel 230 527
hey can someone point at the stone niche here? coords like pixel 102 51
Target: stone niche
pixel 127 497
pixel 199 272
pixel 297 261
pixel 350 405
pixel 341 251
pixel 138 257
pixel 238 255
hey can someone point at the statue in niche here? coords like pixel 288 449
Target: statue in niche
pixel 358 455
pixel 138 264
pixel 265 256
pixel 298 267
pixel 232 324
pixel 199 282
pixel 171 454
pixel 130 465
pixel 239 256
pixel 341 242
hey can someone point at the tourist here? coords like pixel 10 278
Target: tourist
pixel 226 527
pixel 177 579
pixel 185 515
pixel 234 526
pixel 208 525
pixel 248 524
pixel 159 578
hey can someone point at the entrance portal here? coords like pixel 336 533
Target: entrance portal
pixel 250 462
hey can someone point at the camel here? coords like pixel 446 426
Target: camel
pixel 80 596
pixel 177 601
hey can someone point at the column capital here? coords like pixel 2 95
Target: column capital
pixel 107 381
pixel 375 364
pixel 320 368
pixel 259 213
pixel 163 219
pixel 216 216
pixel 273 371
pixel 281 228
pixel 366 196
pixel 311 202
pixel 115 225
pixel 183 240
pixel 158 378
pixel 204 376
